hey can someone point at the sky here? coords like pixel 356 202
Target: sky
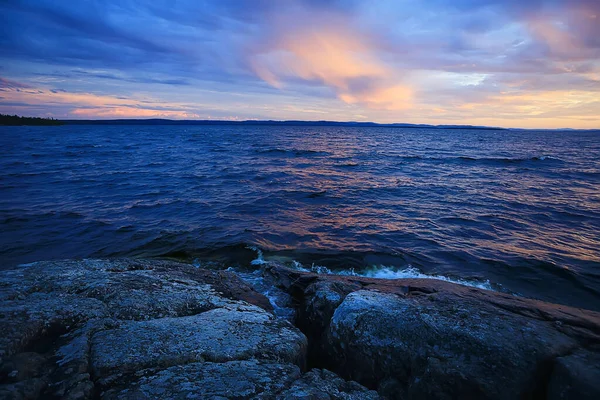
pixel 508 63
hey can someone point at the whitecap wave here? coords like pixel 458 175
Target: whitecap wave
pixel 259 260
pixel 385 272
pixel 381 272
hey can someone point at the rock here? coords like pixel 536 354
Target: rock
pixel 325 385
pixel 23 366
pixel 422 338
pixel 141 329
pixel 28 389
pixel 250 379
pixel 238 332
pixel 576 376
pixel 322 299
pixel 229 380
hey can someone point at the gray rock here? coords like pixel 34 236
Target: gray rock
pixel 320 384
pixel 440 349
pixel 141 329
pixel 415 338
pixel 249 379
pixel 48 299
pixel 23 366
pixel 576 376
pixel 53 309
pixel 28 389
pixel 237 332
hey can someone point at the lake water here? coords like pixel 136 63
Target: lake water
pixel 516 211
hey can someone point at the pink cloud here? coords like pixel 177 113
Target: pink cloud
pixel 131 112
pixel 90 105
pixel 330 52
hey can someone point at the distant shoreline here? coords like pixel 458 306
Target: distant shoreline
pixel 269 123
pixel 10 120
pixel 14 120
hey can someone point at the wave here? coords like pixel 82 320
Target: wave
pixel 385 272
pixel 381 272
pixel 260 259
pixel 279 299
pixel 83 146
pixel 293 152
pixel 507 160
pixel 485 160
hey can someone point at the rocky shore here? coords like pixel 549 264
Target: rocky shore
pixel 150 329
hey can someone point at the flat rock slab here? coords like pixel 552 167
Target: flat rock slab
pixel 46 299
pixel 238 332
pixel 229 380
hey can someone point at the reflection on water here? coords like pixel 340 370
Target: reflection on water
pixel 521 209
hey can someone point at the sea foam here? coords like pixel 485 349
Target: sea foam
pixel 386 272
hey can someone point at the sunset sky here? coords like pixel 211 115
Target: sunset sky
pixel 510 63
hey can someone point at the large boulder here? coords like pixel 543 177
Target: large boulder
pixel 423 338
pixel 143 329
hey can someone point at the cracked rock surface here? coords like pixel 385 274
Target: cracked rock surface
pixel 149 329
pixel 424 338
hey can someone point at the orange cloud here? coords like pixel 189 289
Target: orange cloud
pixel 549 109
pixel 329 52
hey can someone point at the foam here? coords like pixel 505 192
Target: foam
pixel 386 272
pixel 259 260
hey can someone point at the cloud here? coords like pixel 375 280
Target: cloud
pixel 326 51
pixel 131 112
pixel 10 84
pixel 387 60
pixel 87 105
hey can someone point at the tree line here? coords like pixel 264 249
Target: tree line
pixel 15 120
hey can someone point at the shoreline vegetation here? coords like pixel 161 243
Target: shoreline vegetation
pixel 15 120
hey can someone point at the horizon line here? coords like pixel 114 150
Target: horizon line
pixel 275 122
pixel 314 123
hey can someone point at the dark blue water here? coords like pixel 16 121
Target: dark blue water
pixel 518 209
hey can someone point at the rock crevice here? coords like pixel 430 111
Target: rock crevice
pixel 416 338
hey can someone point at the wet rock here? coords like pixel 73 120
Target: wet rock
pixel 415 338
